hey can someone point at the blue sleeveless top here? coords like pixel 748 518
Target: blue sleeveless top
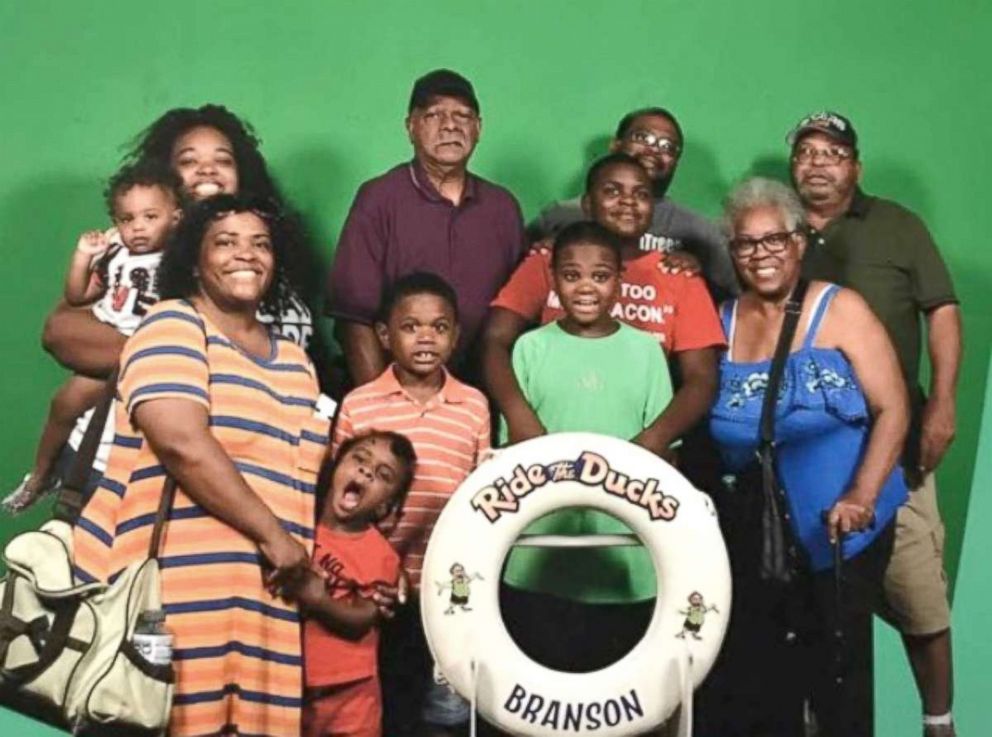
pixel 821 432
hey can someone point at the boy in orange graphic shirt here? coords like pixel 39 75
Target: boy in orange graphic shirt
pixel 369 479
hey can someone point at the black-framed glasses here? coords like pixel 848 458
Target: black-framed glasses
pixel 831 155
pixel 777 242
pixel 661 143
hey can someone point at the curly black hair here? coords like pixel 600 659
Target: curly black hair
pixel 177 271
pixel 615 159
pixel 417 282
pixel 144 174
pixel 586 232
pixel 157 141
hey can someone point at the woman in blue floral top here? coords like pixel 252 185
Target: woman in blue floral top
pixel 840 419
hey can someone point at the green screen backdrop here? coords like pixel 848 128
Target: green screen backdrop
pixel 326 85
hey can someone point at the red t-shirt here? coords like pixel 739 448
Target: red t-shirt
pixel 674 307
pixel 352 563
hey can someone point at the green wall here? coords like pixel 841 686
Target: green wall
pixel 973 610
pixel 325 83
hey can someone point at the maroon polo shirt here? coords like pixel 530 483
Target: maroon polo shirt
pixel 399 223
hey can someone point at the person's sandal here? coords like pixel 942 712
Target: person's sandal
pixel 21 498
pixel 939 730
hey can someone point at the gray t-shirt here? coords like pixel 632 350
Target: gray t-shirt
pixel 673 227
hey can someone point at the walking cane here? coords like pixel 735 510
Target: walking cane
pixel 838 634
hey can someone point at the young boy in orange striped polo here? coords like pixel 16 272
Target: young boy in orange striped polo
pixel 448 423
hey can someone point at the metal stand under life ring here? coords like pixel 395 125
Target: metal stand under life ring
pixel 484 519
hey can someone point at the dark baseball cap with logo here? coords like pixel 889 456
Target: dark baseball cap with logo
pixel 830 124
pixel 442 83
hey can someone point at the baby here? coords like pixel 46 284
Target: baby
pixel 114 272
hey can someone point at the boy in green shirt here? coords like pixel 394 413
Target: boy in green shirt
pixel 585 372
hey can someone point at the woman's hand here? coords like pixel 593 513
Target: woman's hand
pixel 310 589
pixel 853 328
pixel 287 561
pixel 851 513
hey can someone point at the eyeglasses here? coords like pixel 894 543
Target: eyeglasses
pixel 831 155
pixel 777 242
pixel 646 138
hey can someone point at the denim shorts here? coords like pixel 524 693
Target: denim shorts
pixel 442 706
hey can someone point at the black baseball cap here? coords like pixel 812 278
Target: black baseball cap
pixel 827 122
pixel 442 83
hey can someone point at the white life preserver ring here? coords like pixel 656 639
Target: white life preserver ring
pixel 479 524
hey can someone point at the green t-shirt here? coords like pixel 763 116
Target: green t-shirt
pixel 885 253
pixel 616 385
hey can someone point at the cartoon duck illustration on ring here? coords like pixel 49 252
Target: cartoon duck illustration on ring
pixel 461 588
pixel 695 616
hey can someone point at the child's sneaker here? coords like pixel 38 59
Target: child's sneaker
pixel 24 496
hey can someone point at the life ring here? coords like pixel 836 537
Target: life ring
pixel 464 560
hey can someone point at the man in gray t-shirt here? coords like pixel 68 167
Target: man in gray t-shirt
pixel 654 137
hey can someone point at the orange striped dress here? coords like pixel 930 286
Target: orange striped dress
pixel 237 649
pixel 449 434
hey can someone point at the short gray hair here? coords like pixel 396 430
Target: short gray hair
pixel 758 193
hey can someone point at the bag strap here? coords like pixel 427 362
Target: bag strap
pixel 169 485
pixel 775 547
pixel 793 309
pixel 71 496
pixel 55 640
pixel 162 515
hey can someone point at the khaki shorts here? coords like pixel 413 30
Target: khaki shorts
pixel 915 581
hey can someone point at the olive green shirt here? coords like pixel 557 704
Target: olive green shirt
pixel 886 254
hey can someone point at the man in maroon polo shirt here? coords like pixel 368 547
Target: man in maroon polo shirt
pixel 429 214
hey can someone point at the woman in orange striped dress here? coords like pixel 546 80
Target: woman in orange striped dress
pixel 211 396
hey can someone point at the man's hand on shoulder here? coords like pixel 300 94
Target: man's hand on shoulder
pixel 680 262
pixel 541 247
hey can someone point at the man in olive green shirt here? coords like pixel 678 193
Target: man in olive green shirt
pixel 885 252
